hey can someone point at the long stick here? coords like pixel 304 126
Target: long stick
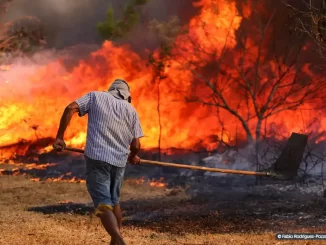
pixel 175 165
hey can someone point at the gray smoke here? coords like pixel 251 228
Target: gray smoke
pixel 70 22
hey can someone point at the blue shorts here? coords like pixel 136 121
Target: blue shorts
pixel 104 182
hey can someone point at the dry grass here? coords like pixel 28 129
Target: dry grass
pixel 20 226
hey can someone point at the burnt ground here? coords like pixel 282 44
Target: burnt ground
pixel 234 213
pixel 191 202
pixel 61 213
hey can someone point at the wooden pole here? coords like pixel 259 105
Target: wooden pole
pixel 220 170
pixel 184 166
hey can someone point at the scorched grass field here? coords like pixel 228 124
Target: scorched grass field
pixel 38 213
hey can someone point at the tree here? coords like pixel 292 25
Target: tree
pixel 310 19
pixel 112 29
pixel 252 81
pixel 160 59
pixel 20 35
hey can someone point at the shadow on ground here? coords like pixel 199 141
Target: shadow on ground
pixel 68 208
pixel 208 216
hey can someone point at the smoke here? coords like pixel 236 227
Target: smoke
pixel 67 22
pixel 16 79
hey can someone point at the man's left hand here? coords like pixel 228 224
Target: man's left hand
pixel 134 160
pixel 59 145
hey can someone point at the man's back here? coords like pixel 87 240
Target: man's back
pixel 112 125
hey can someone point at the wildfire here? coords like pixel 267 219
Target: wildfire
pixel 64 202
pixel 24 166
pixel 22 169
pixel 34 179
pixel 5 67
pixel 159 183
pixel 67 177
pixel 63 178
pixel 154 183
pixel 60 179
pixel 32 101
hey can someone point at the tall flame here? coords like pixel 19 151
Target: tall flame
pixel 33 97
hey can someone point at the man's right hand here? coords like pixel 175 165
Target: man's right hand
pixel 134 160
pixel 59 144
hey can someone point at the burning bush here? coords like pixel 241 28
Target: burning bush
pixel 242 83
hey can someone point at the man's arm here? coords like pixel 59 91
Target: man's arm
pixel 81 106
pixel 134 147
pixel 69 111
pixel 135 144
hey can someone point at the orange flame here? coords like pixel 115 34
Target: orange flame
pixel 32 100
pixel 5 67
pixel 60 179
pixel 16 169
pixel 154 183
pixel 159 183
pixel 24 166
pixel 64 202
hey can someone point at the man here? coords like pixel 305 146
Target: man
pixel 113 127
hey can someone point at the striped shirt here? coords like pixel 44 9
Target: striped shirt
pixel 112 125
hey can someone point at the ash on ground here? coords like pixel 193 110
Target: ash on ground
pixel 214 199
pixel 210 202
pixel 217 209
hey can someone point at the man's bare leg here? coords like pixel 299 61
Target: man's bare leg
pixel 118 214
pixel 110 224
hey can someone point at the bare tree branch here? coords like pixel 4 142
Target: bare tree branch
pixel 252 82
pixel 265 82
pixel 310 19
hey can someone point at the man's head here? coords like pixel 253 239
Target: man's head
pixel 120 90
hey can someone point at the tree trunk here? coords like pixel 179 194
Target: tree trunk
pixel 257 147
pixel 159 118
pixel 250 138
pixel 245 126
